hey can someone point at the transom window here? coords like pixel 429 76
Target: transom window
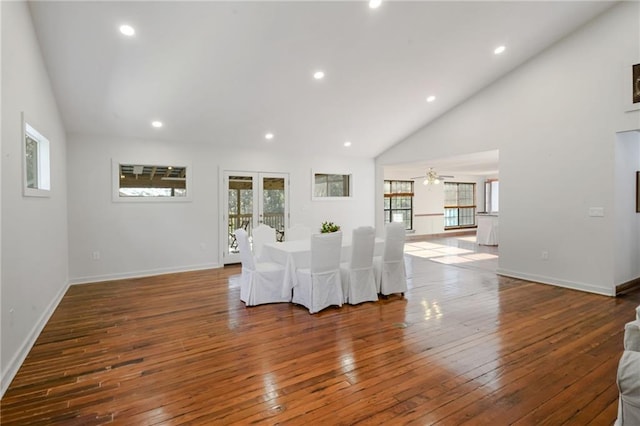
pixel 398 202
pixel 331 185
pixel 459 205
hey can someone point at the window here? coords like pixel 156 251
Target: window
pixel 491 196
pixel 331 186
pixel 36 163
pixel 459 205
pixel 149 182
pixel 398 202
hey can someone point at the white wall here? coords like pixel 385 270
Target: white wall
pixel 147 238
pixel 34 230
pixel 554 120
pixel 627 221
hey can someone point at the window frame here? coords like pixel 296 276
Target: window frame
pixel 349 186
pixel 491 195
pixel 43 161
pixel 115 186
pixel 459 206
pixel 391 195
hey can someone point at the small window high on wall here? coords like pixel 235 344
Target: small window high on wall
pixel 327 186
pixel 36 162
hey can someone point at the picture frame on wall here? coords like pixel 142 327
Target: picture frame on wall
pixel 631 87
pixel 635 89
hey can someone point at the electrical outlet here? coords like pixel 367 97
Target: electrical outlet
pixel 95 255
pixel 544 255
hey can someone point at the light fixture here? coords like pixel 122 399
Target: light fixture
pixel 431 98
pixel 318 75
pixel 347 143
pixel 268 136
pixel 127 30
pixel 431 178
pixel 498 50
pixel 156 124
pixel 374 4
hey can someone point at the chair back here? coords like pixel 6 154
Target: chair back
pixel 362 246
pixel 395 235
pixel 297 232
pixel 262 234
pixel 246 256
pixel 325 252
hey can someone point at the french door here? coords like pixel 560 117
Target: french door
pixel 251 198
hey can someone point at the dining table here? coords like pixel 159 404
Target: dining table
pixel 296 254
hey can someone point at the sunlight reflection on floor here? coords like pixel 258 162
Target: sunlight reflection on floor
pixel 448 254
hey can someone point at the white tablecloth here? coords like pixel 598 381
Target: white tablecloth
pixel 297 255
pixel 487 232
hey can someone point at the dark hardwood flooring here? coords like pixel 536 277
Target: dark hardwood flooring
pixel 464 346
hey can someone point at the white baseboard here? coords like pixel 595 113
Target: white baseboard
pixel 558 283
pixel 30 340
pixel 141 274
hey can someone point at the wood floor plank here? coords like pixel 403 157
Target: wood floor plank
pixel 463 346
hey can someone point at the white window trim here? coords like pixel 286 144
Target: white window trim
pixel 324 172
pixel 115 182
pixel 44 161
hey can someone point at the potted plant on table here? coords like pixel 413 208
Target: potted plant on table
pixel 329 227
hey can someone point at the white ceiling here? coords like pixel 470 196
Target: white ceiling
pixel 226 73
pixel 480 164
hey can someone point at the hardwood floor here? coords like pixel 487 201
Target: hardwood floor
pixel 463 346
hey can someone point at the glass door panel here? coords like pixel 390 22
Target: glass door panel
pixel 274 204
pixel 252 198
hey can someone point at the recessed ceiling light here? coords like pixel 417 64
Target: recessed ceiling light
pixel 347 143
pixel 127 30
pixel 318 75
pixel 431 98
pixel 498 50
pixel 156 124
pixel 374 4
pixel 268 136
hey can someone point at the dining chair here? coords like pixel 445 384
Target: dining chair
pixel 261 282
pixel 233 243
pixel 261 235
pixel 357 275
pixel 319 286
pixel 297 232
pixel 391 276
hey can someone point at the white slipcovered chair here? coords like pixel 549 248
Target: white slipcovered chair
pixel 261 282
pixel 319 286
pixel 628 378
pixel 357 275
pixel 297 232
pixel 391 276
pixel 261 235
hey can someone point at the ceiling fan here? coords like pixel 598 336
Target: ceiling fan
pixel 432 177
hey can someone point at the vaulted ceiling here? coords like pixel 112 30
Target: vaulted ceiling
pixel 227 73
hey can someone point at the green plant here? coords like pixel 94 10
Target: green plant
pixel 329 227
